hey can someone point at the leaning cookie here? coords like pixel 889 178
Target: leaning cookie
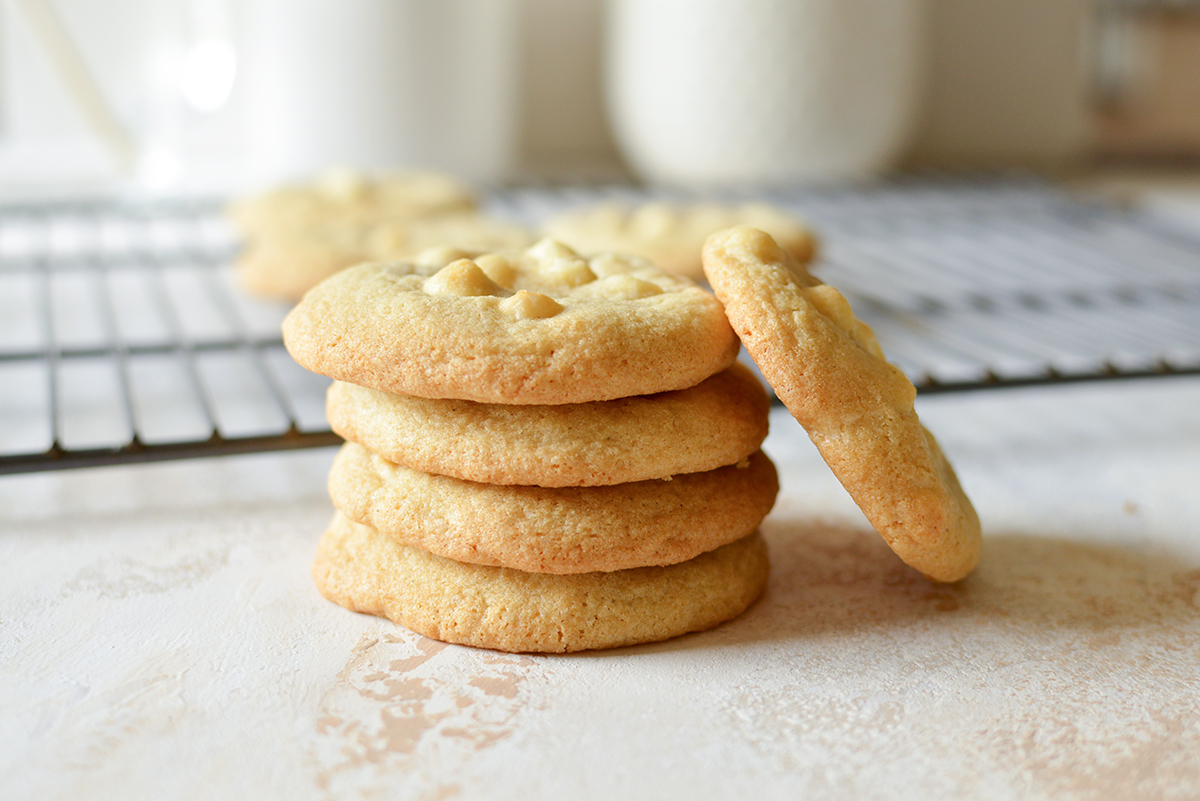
pixel 510 610
pixel 672 236
pixel 555 529
pixel 545 327
pixel 827 368
pixel 718 422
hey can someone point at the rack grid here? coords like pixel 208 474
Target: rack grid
pixel 124 338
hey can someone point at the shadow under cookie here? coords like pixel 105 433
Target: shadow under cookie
pixel 833 582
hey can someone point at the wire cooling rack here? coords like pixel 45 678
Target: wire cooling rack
pixel 124 338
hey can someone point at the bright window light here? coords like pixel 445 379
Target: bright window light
pixel 159 169
pixel 208 73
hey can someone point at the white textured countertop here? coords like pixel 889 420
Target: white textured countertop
pixel 160 638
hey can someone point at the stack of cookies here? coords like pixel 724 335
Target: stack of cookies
pixel 544 452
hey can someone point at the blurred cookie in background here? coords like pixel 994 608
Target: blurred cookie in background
pixel 296 236
pixel 672 236
pixel 351 196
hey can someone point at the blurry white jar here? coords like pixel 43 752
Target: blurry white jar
pixel 763 92
pixel 375 85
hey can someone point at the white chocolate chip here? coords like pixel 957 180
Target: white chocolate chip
pixel 557 266
pixel 343 185
pixel 624 287
pixel 498 268
pixel 440 255
pixel 549 250
pixel 531 306
pixel 566 273
pixel 462 278
pixel 607 264
pixel 833 305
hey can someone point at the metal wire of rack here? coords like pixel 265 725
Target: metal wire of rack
pixel 123 339
pixel 123 336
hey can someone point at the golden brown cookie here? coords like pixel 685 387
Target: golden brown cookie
pixel 720 421
pixel 510 610
pixel 297 236
pixel 286 262
pixel 350 196
pixel 470 232
pixel 827 368
pixel 555 529
pixel 546 327
pixel 672 236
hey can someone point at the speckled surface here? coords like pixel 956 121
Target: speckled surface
pixel 160 637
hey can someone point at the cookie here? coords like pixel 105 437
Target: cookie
pixel 350 196
pixel 720 421
pixel 510 610
pixel 297 236
pixel 672 236
pixel 471 233
pixel 826 367
pixel 545 327
pixel 555 529
pixel 285 264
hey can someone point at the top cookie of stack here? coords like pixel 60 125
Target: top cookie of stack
pixel 544 327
